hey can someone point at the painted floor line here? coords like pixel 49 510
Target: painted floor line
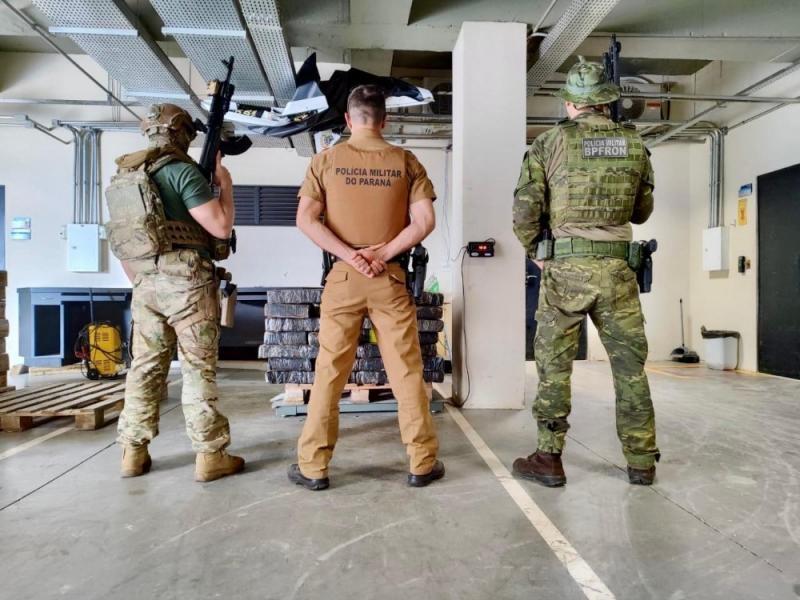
pixel 591 585
pixel 35 442
pixel 667 373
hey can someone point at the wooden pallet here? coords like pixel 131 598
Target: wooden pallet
pixel 299 393
pixel 92 403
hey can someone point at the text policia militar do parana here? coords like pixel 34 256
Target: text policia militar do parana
pixel 372 177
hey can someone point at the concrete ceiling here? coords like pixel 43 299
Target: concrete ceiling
pixel 415 37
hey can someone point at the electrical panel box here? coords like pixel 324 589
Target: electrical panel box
pixel 715 249
pixel 83 247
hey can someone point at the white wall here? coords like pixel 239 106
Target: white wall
pixel 729 300
pixel 37 174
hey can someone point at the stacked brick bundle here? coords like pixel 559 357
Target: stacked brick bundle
pixel 4 387
pixel 291 341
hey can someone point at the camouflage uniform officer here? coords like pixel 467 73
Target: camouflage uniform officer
pixel 591 178
pixel 175 298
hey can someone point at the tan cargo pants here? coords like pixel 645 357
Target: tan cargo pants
pixel 347 298
pixel 175 301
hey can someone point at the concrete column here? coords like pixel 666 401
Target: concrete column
pixel 489 103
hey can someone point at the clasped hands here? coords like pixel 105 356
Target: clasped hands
pixel 370 261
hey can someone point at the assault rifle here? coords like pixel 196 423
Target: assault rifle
pixel 611 64
pixel 217 139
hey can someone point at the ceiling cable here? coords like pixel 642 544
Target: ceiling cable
pixel 45 35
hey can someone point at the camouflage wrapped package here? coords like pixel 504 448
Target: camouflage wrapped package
pixel 278 351
pixel 283 325
pixel 289 311
pixel 431 313
pixel 295 296
pixel 294 377
pixel 290 364
pixel 288 338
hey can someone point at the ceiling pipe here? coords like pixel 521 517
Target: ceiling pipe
pixel 45 35
pixel 670 96
pixel 62 101
pixel 763 113
pixel 748 90
pixel 547 11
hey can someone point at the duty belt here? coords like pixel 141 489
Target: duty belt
pixel 565 247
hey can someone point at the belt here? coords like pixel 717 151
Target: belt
pixel 565 247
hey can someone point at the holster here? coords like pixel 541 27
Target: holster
pixel 228 297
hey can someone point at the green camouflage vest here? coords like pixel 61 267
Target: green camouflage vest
pixel 604 164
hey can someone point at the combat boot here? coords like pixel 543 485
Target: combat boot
pixel 641 476
pixel 543 467
pixel 135 461
pixel 213 465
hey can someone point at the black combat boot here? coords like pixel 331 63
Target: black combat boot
pixel 296 476
pixel 544 467
pixel 641 476
pixel 422 480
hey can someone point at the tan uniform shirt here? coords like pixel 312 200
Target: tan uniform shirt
pixel 366 186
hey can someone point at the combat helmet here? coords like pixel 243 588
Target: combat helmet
pixel 168 123
pixel 587 83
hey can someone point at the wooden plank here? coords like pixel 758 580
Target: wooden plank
pixel 104 402
pixel 59 406
pixel 294 394
pixel 72 399
pixel 25 393
pixel 49 398
pixel 359 396
pixel 15 423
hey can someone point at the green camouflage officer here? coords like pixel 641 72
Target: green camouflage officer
pixel 587 179
pixel 163 214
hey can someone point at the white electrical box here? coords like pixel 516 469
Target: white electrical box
pixel 715 249
pixel 83 247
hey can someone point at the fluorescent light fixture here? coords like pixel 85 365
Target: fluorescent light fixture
pixel 165 95
pixel 233 33
pixel 93 31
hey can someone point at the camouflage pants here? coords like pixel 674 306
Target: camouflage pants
pixel 175 301
pixel 606 290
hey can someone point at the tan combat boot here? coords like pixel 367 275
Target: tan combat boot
pixel 135 461
pixel 213 465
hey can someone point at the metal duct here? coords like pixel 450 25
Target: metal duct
pixel 263 21
pixel 717 178
pixel 211 30
pixel 578 21
pixel 108 31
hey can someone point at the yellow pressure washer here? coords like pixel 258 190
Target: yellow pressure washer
pixel 100 348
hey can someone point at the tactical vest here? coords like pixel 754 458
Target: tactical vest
pixel 603 167
pixel 138 228
pixel 366 195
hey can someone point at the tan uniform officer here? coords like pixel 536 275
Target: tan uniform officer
pixel 365 189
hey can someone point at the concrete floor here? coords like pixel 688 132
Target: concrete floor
pixel 722 522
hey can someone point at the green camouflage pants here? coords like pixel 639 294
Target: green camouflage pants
pixel 606 290
pixel 175 301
